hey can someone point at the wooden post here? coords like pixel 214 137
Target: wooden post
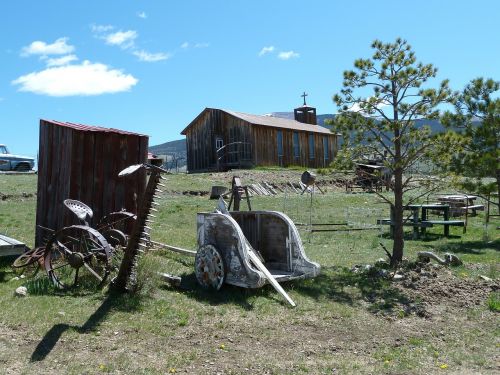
pixel 446 216
pixel 424 218
pixel 488 197
pixel 415 223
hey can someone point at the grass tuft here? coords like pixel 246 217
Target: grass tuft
pixel 494 302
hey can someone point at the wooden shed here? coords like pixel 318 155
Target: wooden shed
pixel 219 139
pixel 82 162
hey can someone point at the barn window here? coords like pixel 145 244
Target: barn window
pixel 280 143
pixel 311 146
pixel 326 152
pixel 218 143
pixel 296 147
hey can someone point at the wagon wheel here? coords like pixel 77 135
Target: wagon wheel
pixel 29 262
pixel 209 267
pixel 116 227
pixel 29 257
pixel 77 255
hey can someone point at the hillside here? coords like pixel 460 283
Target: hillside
pixel 171 147
pixel 435 125
pixel 172 150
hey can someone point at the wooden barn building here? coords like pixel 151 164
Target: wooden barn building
pixel 219 139
pixel 82 162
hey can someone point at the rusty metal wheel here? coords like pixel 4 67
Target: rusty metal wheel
pixel 29 257
pixel 209 267
pixel 77 256
pixel 116 227
pixel 28 263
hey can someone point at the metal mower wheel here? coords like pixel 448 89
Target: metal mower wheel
pixel 77 256
pixel 29 263
pixel 116 227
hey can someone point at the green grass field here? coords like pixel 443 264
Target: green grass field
pixel 344 322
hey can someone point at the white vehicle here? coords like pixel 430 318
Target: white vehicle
pixel 10 162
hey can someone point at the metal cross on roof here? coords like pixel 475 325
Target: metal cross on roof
pixel 304 96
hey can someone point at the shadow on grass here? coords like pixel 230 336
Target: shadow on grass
pixel 6 272
pixel 346 287
pixel 466 247
pixel 425 237
pixel 228 295
pixel 113 301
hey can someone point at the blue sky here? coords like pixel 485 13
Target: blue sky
pixel 152 66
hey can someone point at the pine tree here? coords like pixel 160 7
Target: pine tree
pixel 379 103
pixel 474 138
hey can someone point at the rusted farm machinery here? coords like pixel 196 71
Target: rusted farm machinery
pixel 79 254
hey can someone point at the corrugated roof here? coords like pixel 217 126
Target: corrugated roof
pixel 275 122
pixel 91 128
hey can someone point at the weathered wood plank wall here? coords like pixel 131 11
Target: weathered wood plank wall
pixel 213 123
pixel 265 148
pixel 82 163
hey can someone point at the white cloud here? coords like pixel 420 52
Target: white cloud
pixel 124 39
pixel 59 47
pixel 151 57
pixel 266 50
pixel 100 28
pixel 70 80
pixel 142 15
pixel 288 55
pixel 64 60
pixel 356 107
pixel 187 45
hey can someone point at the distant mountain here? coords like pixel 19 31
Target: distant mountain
pixel 435 125
pixel 172 150
pixel 169 147
pixel 289 115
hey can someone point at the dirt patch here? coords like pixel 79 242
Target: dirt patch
pixel 22 195
pixel 435 287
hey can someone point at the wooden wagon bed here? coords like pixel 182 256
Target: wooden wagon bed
pixel 270 234
pixel 10 246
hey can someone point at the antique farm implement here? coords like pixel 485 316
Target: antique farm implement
pixel 79 254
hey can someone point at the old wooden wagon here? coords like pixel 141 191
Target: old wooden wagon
pixel 250 249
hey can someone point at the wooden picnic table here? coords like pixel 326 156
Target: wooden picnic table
pixel 420 222
pixel 461 203
pixel 424 208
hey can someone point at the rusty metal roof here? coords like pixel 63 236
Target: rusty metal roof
pixel 91 128
pixel 275 122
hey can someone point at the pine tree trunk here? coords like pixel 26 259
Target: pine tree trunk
pixel 398 244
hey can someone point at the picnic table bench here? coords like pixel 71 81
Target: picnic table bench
pixel 420 224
